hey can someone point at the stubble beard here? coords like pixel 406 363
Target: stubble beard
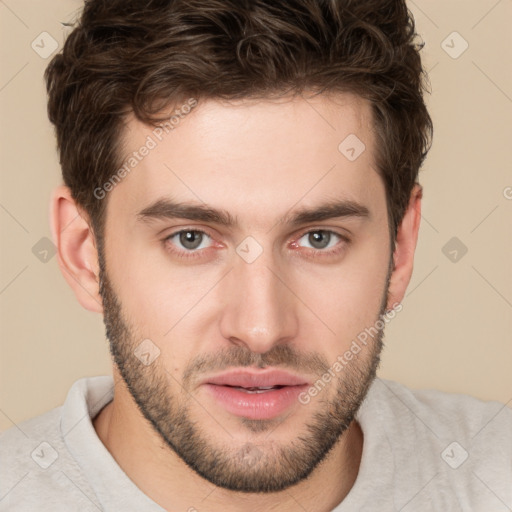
pixel 261 467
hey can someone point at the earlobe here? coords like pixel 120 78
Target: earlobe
pixel 403 256
pixel 76 250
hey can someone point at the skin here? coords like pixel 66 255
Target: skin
pixel 259 160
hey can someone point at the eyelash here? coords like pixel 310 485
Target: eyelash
pixel 316 253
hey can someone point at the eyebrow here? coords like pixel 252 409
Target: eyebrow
pixel 163 209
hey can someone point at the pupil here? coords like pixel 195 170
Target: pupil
pixel 190 239
pixel 319 239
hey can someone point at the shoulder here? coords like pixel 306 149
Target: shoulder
pixel 30 444
pixel 440 416
pixel 37 471
pixel 456 410
pixel 465 414
pixel 457 445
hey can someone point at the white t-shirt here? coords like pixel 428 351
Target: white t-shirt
pixel 422 451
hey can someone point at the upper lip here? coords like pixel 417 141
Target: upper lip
pixel 256 379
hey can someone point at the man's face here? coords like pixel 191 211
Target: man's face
pixel 248 315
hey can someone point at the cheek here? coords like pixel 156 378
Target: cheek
pixel 162 302
pixel 348 297
pixel 134 279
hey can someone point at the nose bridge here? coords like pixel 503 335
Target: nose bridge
pixel 259 309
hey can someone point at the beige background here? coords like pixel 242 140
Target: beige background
pixel 454 331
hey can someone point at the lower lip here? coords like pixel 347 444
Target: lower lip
pixel 256 406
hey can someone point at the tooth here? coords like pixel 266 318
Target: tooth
pixel 256 389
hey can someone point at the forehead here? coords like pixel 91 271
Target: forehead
pixel 252 155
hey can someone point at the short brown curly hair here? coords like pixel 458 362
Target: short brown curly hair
pixel 141 57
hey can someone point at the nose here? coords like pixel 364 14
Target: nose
pixel 259 309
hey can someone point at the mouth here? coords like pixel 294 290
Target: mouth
pixel 256 389
pixel 258 394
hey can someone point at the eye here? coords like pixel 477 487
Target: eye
pixel 319 239
pixel 191 240
pixel 191 243
pixel 322 241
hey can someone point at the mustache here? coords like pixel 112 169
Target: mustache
pixel 280 356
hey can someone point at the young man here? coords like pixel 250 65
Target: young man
pixel 241 205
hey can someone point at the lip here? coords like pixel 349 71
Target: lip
pixel 224 390
pixel 257 378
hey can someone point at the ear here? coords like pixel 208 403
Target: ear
pixel 76 249
pixel 405 245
